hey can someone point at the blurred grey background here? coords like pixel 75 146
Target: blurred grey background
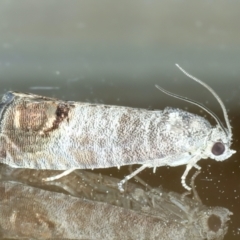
pixel 114 52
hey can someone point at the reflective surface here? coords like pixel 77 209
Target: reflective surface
pixel 114 52
pixel 93 208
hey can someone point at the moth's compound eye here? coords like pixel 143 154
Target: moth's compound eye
pixel 214 223
pixel 218 148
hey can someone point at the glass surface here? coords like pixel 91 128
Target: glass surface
pixel 114 52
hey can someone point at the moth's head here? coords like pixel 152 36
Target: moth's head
pixel 218 145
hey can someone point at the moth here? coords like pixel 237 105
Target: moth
pixel 39 132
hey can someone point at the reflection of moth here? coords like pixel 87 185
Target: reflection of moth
pixel 96 210
pixel 45 133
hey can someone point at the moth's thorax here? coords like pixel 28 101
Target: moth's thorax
pixel 186 131
pixel 198 137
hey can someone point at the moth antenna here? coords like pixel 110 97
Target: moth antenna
pixel 195 103
pixel 215 95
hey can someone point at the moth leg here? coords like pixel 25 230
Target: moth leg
pixel 66 172
pixel 120 184
pixel 195 194
pixel 183 178
pixel 197 166
pixel 138 179
pixel 179 203
pixel 194 191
